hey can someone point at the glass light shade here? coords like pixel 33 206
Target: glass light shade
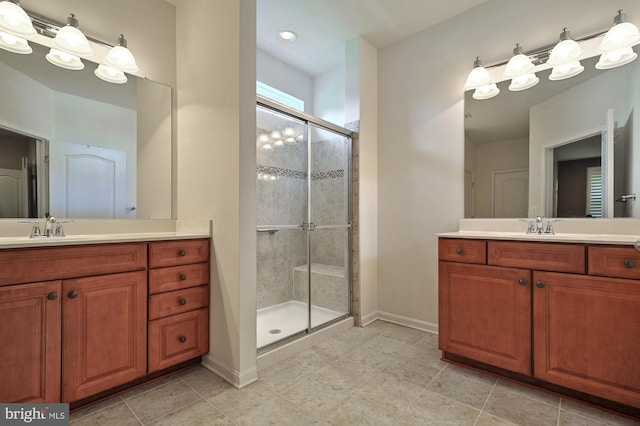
pixel 64 60
pixel 14 44
pixel 70 39
pixel 567 70
pixel 263 138
pixel 299 138
pixel 290 141
pixel 566 50
pixel 121 58
pixel 278 144
pixel 523 82
pixel 267 146
pixel 486 92
pixel 622 34
pixel 478 77
pixel 276 135
pixel 616 58
pixel 110 75
pixel 14 20
pixel 517 65
pixel 288 132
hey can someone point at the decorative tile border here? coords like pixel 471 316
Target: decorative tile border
pixel 295 174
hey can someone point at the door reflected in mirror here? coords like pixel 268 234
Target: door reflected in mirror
pixel 74 146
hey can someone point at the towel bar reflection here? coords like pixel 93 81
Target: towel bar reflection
pixel 271 231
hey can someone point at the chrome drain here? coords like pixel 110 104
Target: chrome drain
pixel 275 331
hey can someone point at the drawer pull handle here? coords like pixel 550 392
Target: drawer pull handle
pixel 52 296
pixel 183 277
pixel 459 251
pixel 183 339
pixel 183 301
pixel 540 284
pixel 629 263
pixel 181 253
pixel 522 281
pixel 73 294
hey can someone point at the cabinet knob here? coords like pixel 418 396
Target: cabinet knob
pixel 183 301
pixel 52 296
pixel 73 294
pixel 181 252
pixel 522 281
pixel 629 263
pixel 183 277
pixel 540 284
pixel 459 251
pixel 183 339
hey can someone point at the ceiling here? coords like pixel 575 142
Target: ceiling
pixel 323 26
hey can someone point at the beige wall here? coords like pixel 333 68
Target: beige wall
pixel 420 130
pixel 216 167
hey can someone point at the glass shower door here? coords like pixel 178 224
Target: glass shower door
pixel 329 236
pixel 281 173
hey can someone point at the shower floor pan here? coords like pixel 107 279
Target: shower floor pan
pixel 283 320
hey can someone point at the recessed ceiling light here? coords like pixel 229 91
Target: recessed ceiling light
pixel 287 35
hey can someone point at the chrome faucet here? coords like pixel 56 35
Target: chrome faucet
pixel 52 228
pixel 537 226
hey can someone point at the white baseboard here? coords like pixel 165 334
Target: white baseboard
pixel 238 379
pixel 369 318
pixel 405 321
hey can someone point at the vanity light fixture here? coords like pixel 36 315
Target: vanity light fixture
pixel 520 70
pixel 480 80
pixel 64 60
pixel 565 57
pixel 616 45
pixel 121 58
pixel 71 40
pixel 110 74
pixel 68 43
pixel 14 25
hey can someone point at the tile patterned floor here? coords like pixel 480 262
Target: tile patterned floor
pixel 383 374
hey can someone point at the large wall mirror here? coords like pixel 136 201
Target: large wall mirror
pixel 560 149
pixel 74 146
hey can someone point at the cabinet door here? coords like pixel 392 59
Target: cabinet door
pixel 485 314
pixel 30 336
pixel 104 333
pixel 587 334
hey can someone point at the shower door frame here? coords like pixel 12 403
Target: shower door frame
pixel 341 131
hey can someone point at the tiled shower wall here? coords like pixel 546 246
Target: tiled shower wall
pixel 282 201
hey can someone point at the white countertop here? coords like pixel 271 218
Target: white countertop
pixel 560 237
pixel 586 231
pixel 14 234
pixel 17 242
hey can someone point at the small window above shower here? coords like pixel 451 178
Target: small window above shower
pixel 279 96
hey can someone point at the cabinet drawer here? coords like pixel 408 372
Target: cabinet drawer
pixel 538 256
pixel 460 250
pixel 49 263
pixel 177 277
pixel 176 302
pixel 179 252
pixel 178 338
pixel 622 262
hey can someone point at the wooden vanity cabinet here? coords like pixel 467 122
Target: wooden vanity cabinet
pixel 30 333
pixel 558 314
pixel 75 320
pixel 587 334
pixel 178 301
pixel 485 314
pixel 105 339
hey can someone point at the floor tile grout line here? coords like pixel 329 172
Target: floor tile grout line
pixel 113 401
pixel 486 401
pixel 133 412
